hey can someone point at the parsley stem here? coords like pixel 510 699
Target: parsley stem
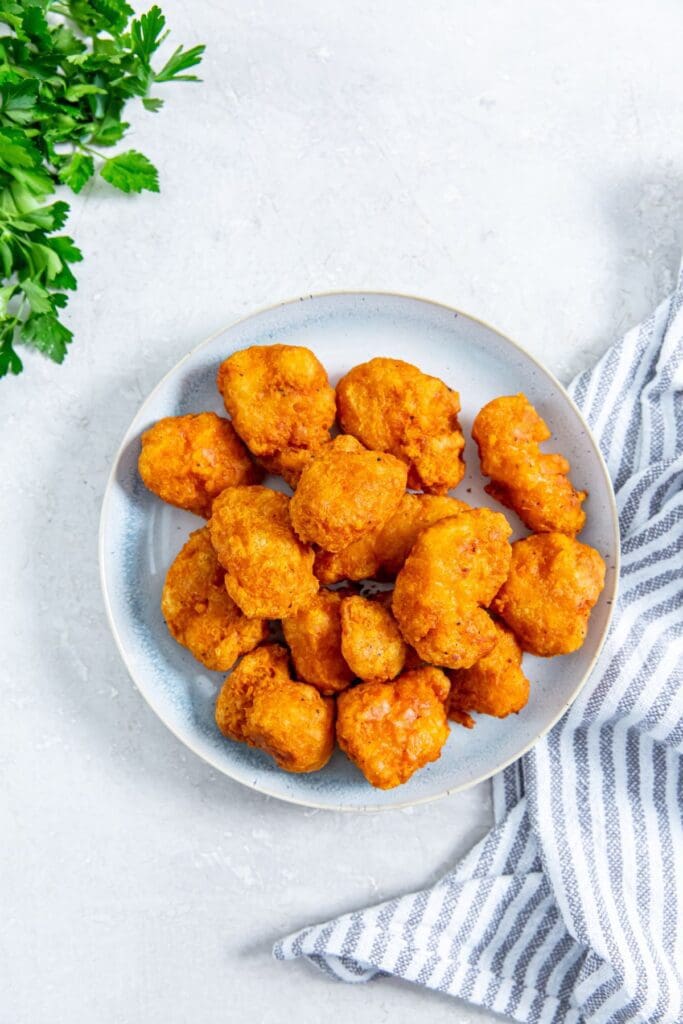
pixel 88 149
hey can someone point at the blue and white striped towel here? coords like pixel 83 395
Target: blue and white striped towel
pixel 571 909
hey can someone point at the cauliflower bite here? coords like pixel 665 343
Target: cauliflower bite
pixel 393 407
pixel 370 640
pixel 390 730
pixel 494 686
pixel 534 484
pixel 454 570
pixel 314 637
pixel 199 612
pixel 554 583
pixel 262 706
pixel 384 550
pixel 281 404
pixel 188 460
pixel 345 491
pixel 268 571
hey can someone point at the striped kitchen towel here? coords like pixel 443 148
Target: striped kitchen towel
pixel 571 908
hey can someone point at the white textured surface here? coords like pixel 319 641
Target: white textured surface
pixel 519 161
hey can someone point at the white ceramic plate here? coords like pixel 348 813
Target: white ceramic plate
pixel 140 535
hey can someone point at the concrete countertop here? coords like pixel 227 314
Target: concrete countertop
pixel 521 162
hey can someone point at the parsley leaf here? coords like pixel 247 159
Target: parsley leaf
pixel 147 34
pixel 179 61
pixel 76 171
pixel 47 334
pixel 152 103
pixel 131 172
pixel 18 102
pixel 93 16
pixel 9 360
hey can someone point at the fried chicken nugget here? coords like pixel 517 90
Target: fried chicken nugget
pixel 390 730
pixel 268 571
pixel 281 403
pixel 345 491
pixel 188 460
pixel 393 407
pixel 315 639
pixel 199 612
pixel 358 561
pixel 415 513
pixel 554 583
pixel 496 685
pixel 532 483
pixel 290 463
pixel 454 570
pixel 262 706
pixel 384 550
pixel 371 642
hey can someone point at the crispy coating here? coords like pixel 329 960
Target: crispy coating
pixel 262 706
pixel 290 463
pixel 268 571
pixel 392 406
pixel 371 642
pixel 281 404
pixel 554 583
pixel 384 550
pixel 532 483
pixel 452 573
pixel 315 640
pixel 199 612
pixel 344 492
pixel 496 685
pixel 390 730
pixel 415 513
pixel 188 460
pixel 357 561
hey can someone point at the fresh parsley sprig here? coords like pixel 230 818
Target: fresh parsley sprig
pixel 67 70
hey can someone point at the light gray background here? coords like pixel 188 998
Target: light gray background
pixel 520 161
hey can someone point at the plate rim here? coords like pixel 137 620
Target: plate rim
pixel 344 807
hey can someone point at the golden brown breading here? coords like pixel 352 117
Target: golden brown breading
pixel 269 572
pixel 314 637
pixel 415 513
pixel 452 573
pixel 508 431
pixel 281 404
pixel 199 612
pixel 390 730
pixel 262 706
pixel 384 550
pixel 392 406
pixel 357 561
pixel 554 583
pixel 345 491
pixel 290 463
pixel 370 639
pixel 188 460
pixel 496 685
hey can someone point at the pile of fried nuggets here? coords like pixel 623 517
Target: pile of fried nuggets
pixel 382 672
